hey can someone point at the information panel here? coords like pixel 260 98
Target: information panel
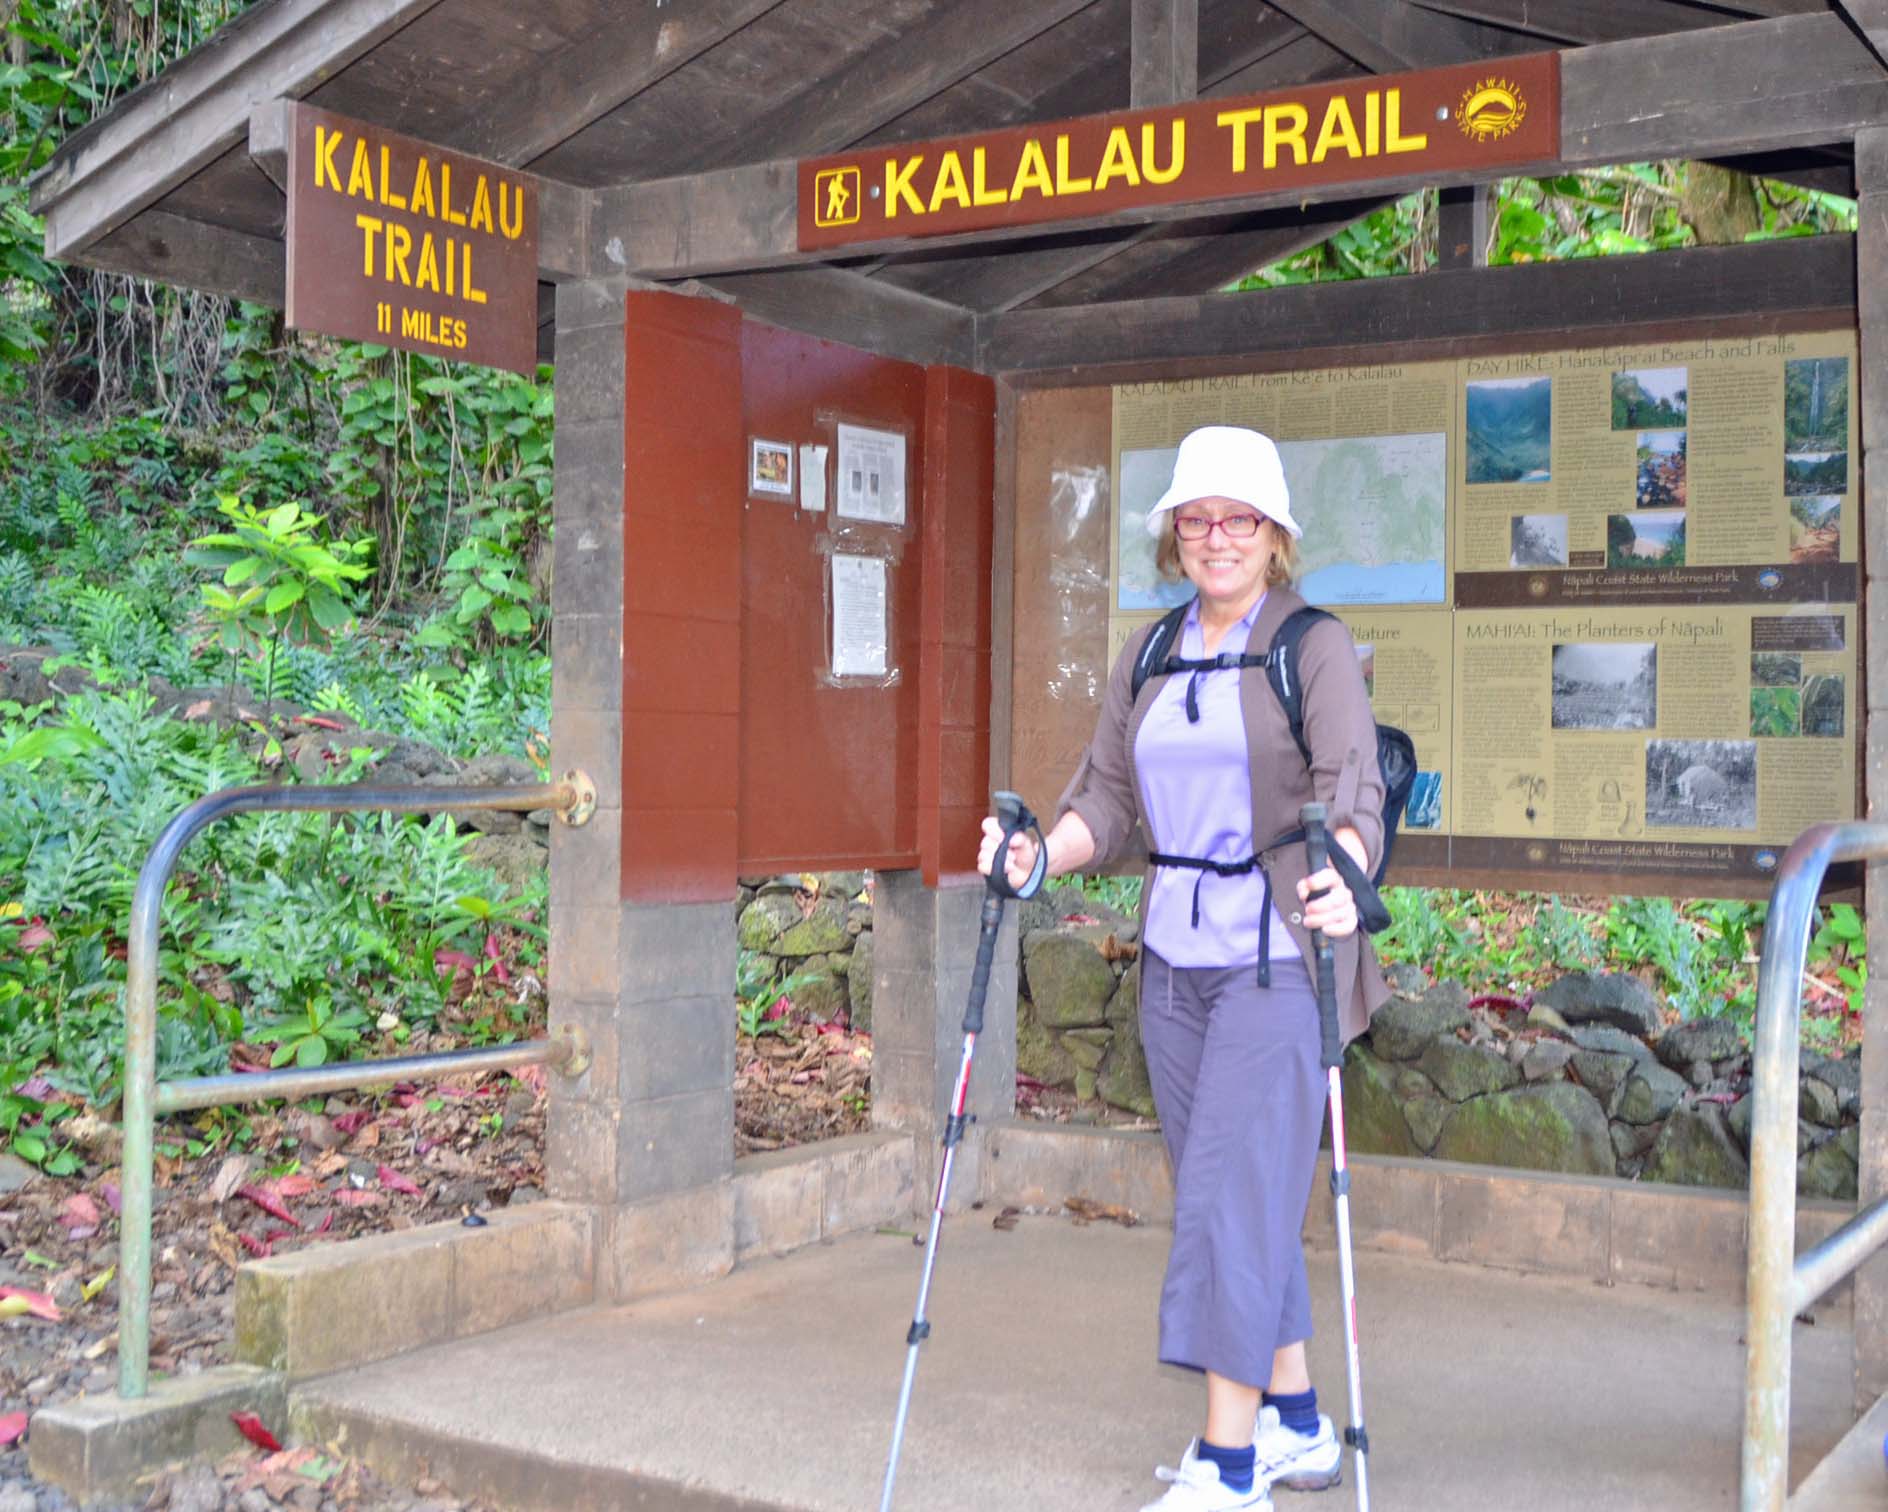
pixel 1611 593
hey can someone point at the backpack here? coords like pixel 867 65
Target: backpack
pixel 1396 752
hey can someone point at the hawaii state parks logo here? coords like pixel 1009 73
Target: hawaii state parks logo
pixel 1491 109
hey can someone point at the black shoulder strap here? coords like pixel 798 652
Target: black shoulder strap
pixel 1157 646
pixel 1281 670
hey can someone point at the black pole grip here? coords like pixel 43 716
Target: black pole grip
pixel 992 921
pixel 1317 853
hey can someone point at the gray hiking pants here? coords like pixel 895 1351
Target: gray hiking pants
pixel 1241 1097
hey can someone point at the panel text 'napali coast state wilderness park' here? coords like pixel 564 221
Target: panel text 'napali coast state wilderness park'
pixel 400 242
pixel 1469 117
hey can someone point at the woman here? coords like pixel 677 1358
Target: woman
pixel 1202 767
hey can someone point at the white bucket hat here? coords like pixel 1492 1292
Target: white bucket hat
pixel 1228 462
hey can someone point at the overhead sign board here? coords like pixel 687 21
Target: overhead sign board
pixel 1470 117
pixel 397 241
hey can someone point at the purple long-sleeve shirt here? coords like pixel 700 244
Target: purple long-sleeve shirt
pixel 1197 783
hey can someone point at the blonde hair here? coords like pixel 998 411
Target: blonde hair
pixel 1280 571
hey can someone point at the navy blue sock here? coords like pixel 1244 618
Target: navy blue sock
pixel 1297 1410
pixel 1235 1465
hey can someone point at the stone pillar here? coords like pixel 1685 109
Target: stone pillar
pixel 642 926
pixel 924 947
pixel 1871 283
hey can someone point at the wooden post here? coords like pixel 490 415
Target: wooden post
pixel 1462 232
pixel 1165 52
pixel 1871 293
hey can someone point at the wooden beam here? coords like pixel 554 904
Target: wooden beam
pixel 1221 251
pixel 1583 21
pixel 638 46
pixel 884 82
pixel 1388 35
pixel 190 254
pixel 862 312
pixel 1755 86
pixel 1164 52
pixel 1763 279
pixel 198 109
pixel 1871 19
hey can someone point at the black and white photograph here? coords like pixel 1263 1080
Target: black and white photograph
pixel 1701 784
pixel 1606 687
pixel 1537 540
pixel 1823 704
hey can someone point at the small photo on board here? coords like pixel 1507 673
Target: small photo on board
pixel 1367 664
pixel 1701 784
pixel 1425 802
pixel 1823 705
pixel 1598 686
pixel 1776 711
pixel 1775 669
pixel 1816 404
pixel 1815 472
pixel 1510 430
pixel 1816 528
pixel 770 468
pixel 1661 483
pixel 1648 538
pixel 1651 398
pixel 1537 540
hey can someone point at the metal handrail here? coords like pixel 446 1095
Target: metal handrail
pixel 1782 1283
pixel 572 798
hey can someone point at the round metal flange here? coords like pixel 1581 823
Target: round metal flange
pixel 583 803
pixel 577 1060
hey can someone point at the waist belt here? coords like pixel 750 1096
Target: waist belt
pixel 1229 869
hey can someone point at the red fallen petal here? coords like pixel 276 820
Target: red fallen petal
pixel 423 1146
pixel 250 1427
pixel 83 1231
pixel 79 1211
pixel 269 1203
pixel 350 1123
pixel 531 1076
pixel 326 1224
pixel 394 1181
pixel 114 1199
pixel 297 1185
pixel 255 1246
pixel 35 1087
pixel 498 961
pixel 33 936
pixel 456 960
pixel 319 722
pixel 11 1427
pixel 39 1304
pixel 275 1234
pixel 1080 918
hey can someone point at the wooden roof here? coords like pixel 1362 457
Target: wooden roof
pixel 591 94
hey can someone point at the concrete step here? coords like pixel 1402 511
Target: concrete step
pixel 775 1388
pixel 1853 1477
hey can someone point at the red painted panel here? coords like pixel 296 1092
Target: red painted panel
pixel 829 774
pixel 682 488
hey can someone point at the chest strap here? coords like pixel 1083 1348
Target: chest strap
pixel 1226 661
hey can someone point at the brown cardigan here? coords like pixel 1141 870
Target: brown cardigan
pixel 1342 734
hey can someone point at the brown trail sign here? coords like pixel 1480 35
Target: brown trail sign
pixel 397 241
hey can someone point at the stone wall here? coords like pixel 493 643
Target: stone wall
pixel 811 935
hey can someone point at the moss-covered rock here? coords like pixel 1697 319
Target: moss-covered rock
pixel 1402 1029
pixel 765 919
pixel 1613 998
pixel 1039 1051
pixel 1121 1080
pixel 821 931
pixel 1704 1039
pixel 1463 1071
pixel 1425 1117
pixel 1696 1148
pixel 1373 1117
pixel 859 981
pixel 1553 1126
pixel 1087 1046
pixel 1069 983
pixel 1651 1091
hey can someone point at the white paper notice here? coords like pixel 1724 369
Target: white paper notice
pixel 813 478
pixel 871 475
pixel 858 616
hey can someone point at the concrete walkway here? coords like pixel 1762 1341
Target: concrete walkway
pixel 776 1387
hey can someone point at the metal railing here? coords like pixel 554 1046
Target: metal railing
pixel 1783 1283
pixel 572 798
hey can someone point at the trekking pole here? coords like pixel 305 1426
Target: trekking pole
pixel 1312 817
pixel 1015 819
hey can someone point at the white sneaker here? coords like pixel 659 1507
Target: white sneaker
pixel 1196 1487
pixel 1297 1461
